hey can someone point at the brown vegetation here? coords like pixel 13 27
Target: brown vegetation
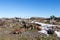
pixel 25 30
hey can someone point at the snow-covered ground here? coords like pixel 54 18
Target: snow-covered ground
pixel 44 27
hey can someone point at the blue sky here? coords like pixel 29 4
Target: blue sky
pixel 29 8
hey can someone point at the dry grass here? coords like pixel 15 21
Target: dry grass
pixel 8 25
